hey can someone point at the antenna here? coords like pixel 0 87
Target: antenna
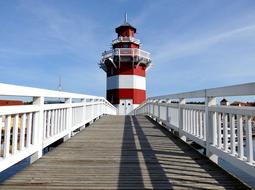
pixel 60 84
pixel 125 21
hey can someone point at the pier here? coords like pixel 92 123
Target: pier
pixel 124 152
pixel 150 148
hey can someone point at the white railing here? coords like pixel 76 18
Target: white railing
pixel 26 129
pixel 125 39
pixel 126 52
pixel 224 131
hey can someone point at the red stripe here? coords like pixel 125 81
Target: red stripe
pixel 127 69
pixel 115 95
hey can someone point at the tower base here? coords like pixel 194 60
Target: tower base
pixel 125 107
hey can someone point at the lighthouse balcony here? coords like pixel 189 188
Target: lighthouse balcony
pixel 125 39
pixel 127 55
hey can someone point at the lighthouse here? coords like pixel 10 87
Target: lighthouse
pixel 125 66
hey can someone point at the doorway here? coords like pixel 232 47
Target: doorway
pixel 125 106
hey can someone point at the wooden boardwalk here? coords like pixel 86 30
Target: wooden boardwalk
pixel 118 152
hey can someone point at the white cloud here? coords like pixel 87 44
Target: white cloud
pixel 169 51
pixel 71 33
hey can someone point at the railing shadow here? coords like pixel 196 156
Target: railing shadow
pixel 151 157
pixel 194 167
pixel 131 173
pixel 158 177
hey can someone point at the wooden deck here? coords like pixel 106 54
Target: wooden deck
pixel 123 152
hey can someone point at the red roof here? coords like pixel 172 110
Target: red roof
pixel 10 102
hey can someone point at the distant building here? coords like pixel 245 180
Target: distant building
pixel 224 102
pixel 237 103
pixel 11 102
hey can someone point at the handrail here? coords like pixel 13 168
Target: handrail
pixel 15 90
pixel 28 129
pixel 234 90
pixel 126 52
pixel 223 131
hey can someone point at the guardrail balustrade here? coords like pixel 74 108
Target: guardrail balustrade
pixel 223 131
pixel 25 130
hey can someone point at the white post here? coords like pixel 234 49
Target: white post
pixel 153 109
pixel 180 114
pixel 69 118
pixel 158 102
pixel 240 136
pixel 38 129
pixel 167 111
pixel 219 129
pixel 92 110
pixel 7 134
pixel 149 104
pixel 100 107
pixel 210 127
pixel 105 107
pixel 232 134
pixel 15 134
pixel 147 107
pixel 249 143
pixel 83 101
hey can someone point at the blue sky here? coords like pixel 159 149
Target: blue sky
pixel 195 44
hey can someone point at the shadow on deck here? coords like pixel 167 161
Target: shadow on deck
pixel 123 152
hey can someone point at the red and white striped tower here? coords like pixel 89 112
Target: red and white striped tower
pixel 125 65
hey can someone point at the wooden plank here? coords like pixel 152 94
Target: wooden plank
pixel 123 152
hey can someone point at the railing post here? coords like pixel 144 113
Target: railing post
pixel 181 134
pixel 167 111
pixel 158 102
pixel 83 101
pixel 100 108
pixel 153 109
pixel 210 121
pixel 92 110
pixel 104 107
pixel 96 107
pixel 159 112
pixel 149 104
pixel 69 118
pixel 37 138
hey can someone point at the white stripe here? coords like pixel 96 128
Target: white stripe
pixel 126 81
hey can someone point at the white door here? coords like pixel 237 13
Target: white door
pixel 125 106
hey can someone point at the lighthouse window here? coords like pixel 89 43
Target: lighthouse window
pixel 129 104
pixel 125 45
pixel 123 104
